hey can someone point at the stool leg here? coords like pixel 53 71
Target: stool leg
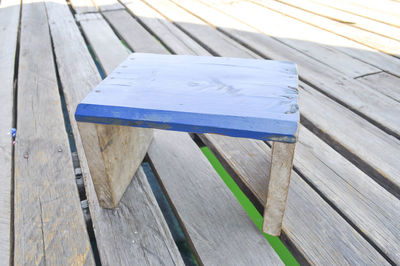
pixel 114 153
pixel 278 186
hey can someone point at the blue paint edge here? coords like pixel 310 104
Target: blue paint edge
pixel 268 129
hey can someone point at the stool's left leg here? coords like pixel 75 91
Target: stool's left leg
pixel 278 186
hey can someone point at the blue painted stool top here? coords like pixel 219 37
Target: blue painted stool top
pixel 250 98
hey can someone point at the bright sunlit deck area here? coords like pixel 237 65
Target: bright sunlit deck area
pixel 182 207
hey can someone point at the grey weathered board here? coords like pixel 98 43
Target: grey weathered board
pixel 378 42
pixel 165 30
pixel 129 29
pixel 216 224
pixel 367 205
pixel 9 20
pixel 383 160
pixel 48 221
pixel 336 42
pixel 375 27
pixel 135 233
pixel 367 11
pixel 195 26
pixel 288 31
pixel 310 225
pixel 310 252
pixel 83 6
pixel 384 82
pixel 247 245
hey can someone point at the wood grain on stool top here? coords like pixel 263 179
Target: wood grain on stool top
pixel 229 96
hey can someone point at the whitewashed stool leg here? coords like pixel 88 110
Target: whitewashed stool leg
pixel 278 186
pixel 114 153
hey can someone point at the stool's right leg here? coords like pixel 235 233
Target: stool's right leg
pixel 278 186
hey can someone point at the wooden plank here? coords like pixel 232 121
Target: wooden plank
pixel 165 30
pixel 83 6
pixel 213 242
pixel 347 18
pixel 229 96
pixel 351 48
pixel 278 186
pixel 200 30
pixel 383 160
pixel 294 33
pixel 363 11
pixel 367 142
pixel 364 202
pixel 361 208
pixel 372 40
pixel 138 217
pixel 224 234
pixel 101 32
pixel 384 82
pixel 307 214
pixel 129 29
pixel 9 20
pixel 384 6
pixel 48 223
pixel 107 5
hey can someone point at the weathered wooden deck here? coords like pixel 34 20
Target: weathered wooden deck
pixel 344 198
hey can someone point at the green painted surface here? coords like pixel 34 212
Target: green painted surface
pixel 257 218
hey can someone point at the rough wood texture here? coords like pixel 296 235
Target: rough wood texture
pixel 366 204
pixel 278 187
pixel 370 39
pixel 49 226
pixel 138 211
pixel 184 164
pixel 9 15
pixel 307 214
pixel 114 154
pixel 215 223
pixel 372 146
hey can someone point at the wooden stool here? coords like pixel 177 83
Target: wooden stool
pixel 247 98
